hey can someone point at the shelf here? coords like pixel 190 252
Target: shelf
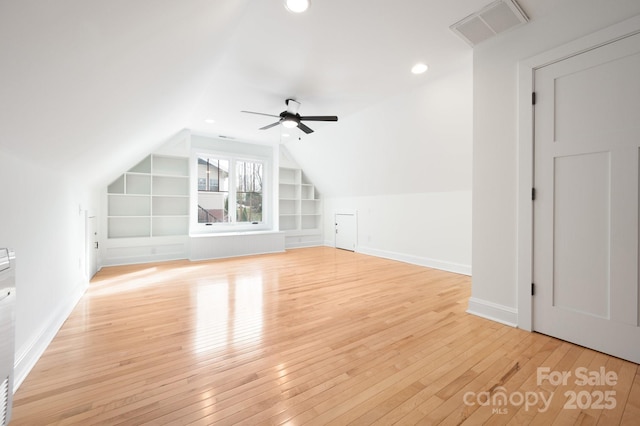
pixel 166 185
pixel 129 227
pixel 308 208
pixel 289 222
pixel 169 206
pixel 128 205
pixel 310 222
pixel 170 225
pixel 289 192
pixel 117 186
pixel 170 166
pixel 137 184
pixel 142 167
pixel 307 192
pixel 150 199
pixel 289 206
pixel 289 176
pixel 300 205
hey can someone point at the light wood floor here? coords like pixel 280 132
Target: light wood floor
pixel 311 336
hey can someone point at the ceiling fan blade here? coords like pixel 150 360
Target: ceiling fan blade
pixel 261 113
pixel 319 118
pixel 304 128
pixel 269 126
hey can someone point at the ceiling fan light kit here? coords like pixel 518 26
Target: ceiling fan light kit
pixel 289 123
pixel 297 6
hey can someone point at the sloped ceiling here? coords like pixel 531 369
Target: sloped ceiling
pixel 91 86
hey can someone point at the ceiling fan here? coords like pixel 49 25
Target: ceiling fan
pixel 290 118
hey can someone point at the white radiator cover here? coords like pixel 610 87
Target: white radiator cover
pixel 7 332
pixel 5 401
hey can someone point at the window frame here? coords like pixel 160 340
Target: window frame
pixel 233 225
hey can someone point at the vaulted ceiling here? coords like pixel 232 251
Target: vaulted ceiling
pixel 93 85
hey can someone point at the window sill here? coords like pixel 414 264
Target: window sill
pixel 233 233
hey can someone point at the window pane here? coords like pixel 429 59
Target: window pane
pixel 249 191
pixel 213 190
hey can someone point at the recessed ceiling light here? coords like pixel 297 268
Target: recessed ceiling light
pixel 297 6
pixel 210 120
pixel 419 68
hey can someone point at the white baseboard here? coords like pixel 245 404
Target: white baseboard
pixel 493 311
pixel 303 244
pixel 416 260
pixel 30 353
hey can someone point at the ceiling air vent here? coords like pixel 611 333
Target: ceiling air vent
pixel 492 19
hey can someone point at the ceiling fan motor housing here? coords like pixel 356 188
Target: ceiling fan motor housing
pixel 290 120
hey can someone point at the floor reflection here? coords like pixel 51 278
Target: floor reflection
pixel 212 316
pixel 248 314
pixel 229 312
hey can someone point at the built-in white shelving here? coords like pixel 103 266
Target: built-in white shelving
pixel 300 207
pixel 151 199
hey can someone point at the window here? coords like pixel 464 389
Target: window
pixel 230 191
pixel 213 190
pixel 248 191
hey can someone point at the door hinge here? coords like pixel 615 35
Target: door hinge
pixel 533 98
pixel 533 289
pixel 533 193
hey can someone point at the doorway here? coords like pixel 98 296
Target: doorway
pixel 346 231
pixel 91 244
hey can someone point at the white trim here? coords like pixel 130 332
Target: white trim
pixel 526 70
pixel 303 244
pixel 346 211
pixel 28 355
pixel 524 207
pixel 417 260
pixel 493 311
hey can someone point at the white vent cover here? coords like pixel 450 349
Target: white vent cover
pixel 492 19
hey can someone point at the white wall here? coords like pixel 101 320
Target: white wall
pixel 430 229
pixel 405 165
pixel 42 218
pixel 495 140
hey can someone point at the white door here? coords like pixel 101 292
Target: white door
pixel 346 231
pixel 91 245
pixel 587 154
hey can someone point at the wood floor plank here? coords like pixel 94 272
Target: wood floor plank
pixel 311 336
